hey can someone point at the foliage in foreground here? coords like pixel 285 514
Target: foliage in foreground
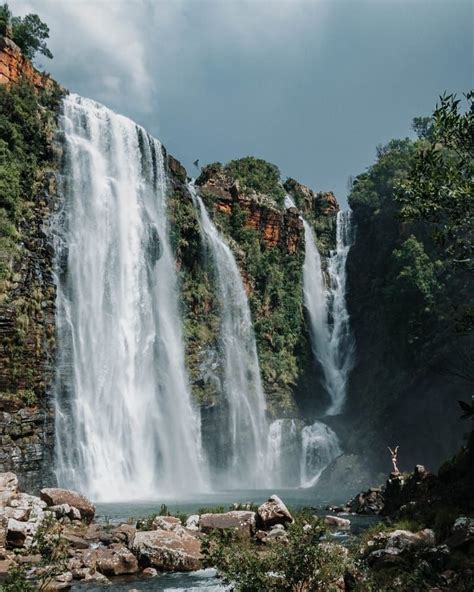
pixel 301 564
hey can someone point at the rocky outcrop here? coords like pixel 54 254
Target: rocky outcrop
pixel 55 496
pixel 276 226
pixel 169 550
pixel 14 66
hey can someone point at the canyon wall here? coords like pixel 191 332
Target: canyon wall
pixel 29 103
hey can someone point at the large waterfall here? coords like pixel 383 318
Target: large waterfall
pixel 244 401
pixel 126 427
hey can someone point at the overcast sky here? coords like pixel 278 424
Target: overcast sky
pixel 312 86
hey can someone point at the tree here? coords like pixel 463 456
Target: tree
pixel 28 32
pixel 439 188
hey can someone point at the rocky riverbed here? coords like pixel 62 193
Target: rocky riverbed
pixel 54 541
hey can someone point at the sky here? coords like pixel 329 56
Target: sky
pixel 312 86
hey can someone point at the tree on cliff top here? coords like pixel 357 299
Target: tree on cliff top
pixel 28 32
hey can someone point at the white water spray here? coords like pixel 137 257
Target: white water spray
pixel 320 446
pixel 245 419
pixel 125 425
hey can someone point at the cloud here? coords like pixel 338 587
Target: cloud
pixel 122 52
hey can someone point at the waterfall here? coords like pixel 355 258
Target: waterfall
pixel 125 424
pixel 320 446
pixel 284 448
pixel 244 400
pixel 341 343
pixel 325 302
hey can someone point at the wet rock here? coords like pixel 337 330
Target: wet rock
pixel 169 550
pixel 337 522
pixel 166 522
pixel 150 572
pixel 54 497
pixel 274 511
pixel 116 560
pixel 462 533
pixel 192 523
pixel 242 521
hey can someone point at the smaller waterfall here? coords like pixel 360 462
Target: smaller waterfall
pixel 325 302
pixel 320 446
pixel 284 447
pixel 245 419
pixel 341 342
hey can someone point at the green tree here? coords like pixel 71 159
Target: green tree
pixel 438 191
pixel 28 32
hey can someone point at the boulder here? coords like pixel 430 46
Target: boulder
pixel 385 558
pixel 368 502
pixel 19 534
pixel 150 572
pixel 54 496
pixel 405 539
pixel 462 533
pixel 75 541
pixel 166 522
pixel 20 514
pixel 116 560
pixel 192 523
pixel 66 511
pixel 125 533
pixel 5 565
pixel 273 511
pixel 168 550
pixel 8 488
pixel 337 522
pixel 242 521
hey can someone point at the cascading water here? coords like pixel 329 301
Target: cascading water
pixel 245 419
pixel 341 342
pixel 284 448
pixel 331 338
pixel 320 446
pixel 125 424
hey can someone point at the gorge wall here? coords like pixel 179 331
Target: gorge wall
pixel 29 103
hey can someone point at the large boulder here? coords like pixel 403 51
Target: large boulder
pixel 273 511
pixel 242 521
pixel 20 534
pixel 368 502
pixel 462 533
pixel 406 540
pixel 55 496
pixel 168 550
pixel 115 560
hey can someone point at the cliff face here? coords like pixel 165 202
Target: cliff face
pixel 398 391
pixel 27 291
pixel 15 67
pixel 268 244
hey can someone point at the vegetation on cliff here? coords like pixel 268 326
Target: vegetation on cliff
pixel 27 128
pixel 412 306
pixel 28 32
